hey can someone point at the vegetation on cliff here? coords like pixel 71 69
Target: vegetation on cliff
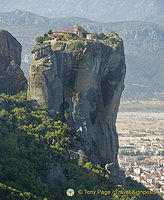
pixel 31 140
pixel 69 36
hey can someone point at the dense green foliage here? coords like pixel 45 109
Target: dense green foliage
pixel 39 39
pixel 9 193
pixel 31 139
pixel 61 38
pixel 100 36
pixel 79 45
pixel 50 31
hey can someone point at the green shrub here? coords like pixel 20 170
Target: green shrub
pixel 75 38
pixel 80 162
pixel 47 38
pixel 50 32
pixel 113 40
pixel 95 35
pixel 45 35
pixel 39 39
pixel 61 38
pixel 68 37
pixel 79 45
pixel 102 36
pixel 88 165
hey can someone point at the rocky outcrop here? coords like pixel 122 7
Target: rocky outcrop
pixel 12 79
pixel 84 81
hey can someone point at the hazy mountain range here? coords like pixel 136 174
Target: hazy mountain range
pixel 99 10
pixel 143 45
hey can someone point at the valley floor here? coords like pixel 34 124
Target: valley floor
pixel 141 143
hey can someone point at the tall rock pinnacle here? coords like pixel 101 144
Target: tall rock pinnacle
pixel 12 79
pixel 85 80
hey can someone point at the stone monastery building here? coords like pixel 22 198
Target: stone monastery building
pixel 76 32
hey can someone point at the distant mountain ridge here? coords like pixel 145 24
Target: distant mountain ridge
pixel 20 17
pixel 99 10
pixel 143 43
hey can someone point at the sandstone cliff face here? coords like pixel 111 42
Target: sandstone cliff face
pixel 12 79
pixel 89 80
